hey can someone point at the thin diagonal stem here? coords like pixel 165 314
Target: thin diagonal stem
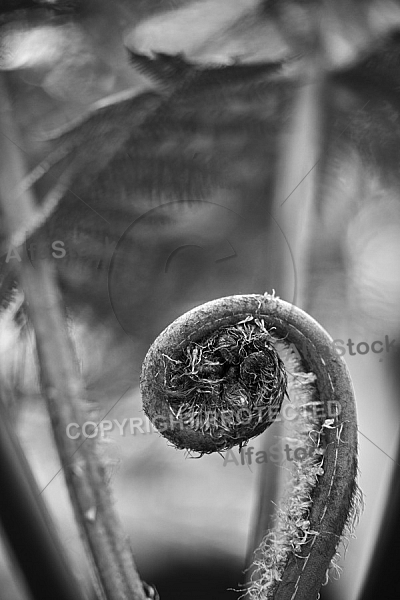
pixel 27 525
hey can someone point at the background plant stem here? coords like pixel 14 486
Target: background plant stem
pixel 62 387
pixel 28 527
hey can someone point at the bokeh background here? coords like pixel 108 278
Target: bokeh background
pixel 190 209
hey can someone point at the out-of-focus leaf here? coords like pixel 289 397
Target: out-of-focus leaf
pixel 31 28
pixel 204 132
pixel 190 28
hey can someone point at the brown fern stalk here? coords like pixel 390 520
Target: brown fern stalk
pixel 63 389
pixel 320 500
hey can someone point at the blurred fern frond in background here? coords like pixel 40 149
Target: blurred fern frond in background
pixel 160 125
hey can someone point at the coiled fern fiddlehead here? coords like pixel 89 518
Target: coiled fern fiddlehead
pixel 208 366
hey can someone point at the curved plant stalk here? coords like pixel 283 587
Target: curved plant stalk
pixel 100 528
pixel 201 349
pixel 294 209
